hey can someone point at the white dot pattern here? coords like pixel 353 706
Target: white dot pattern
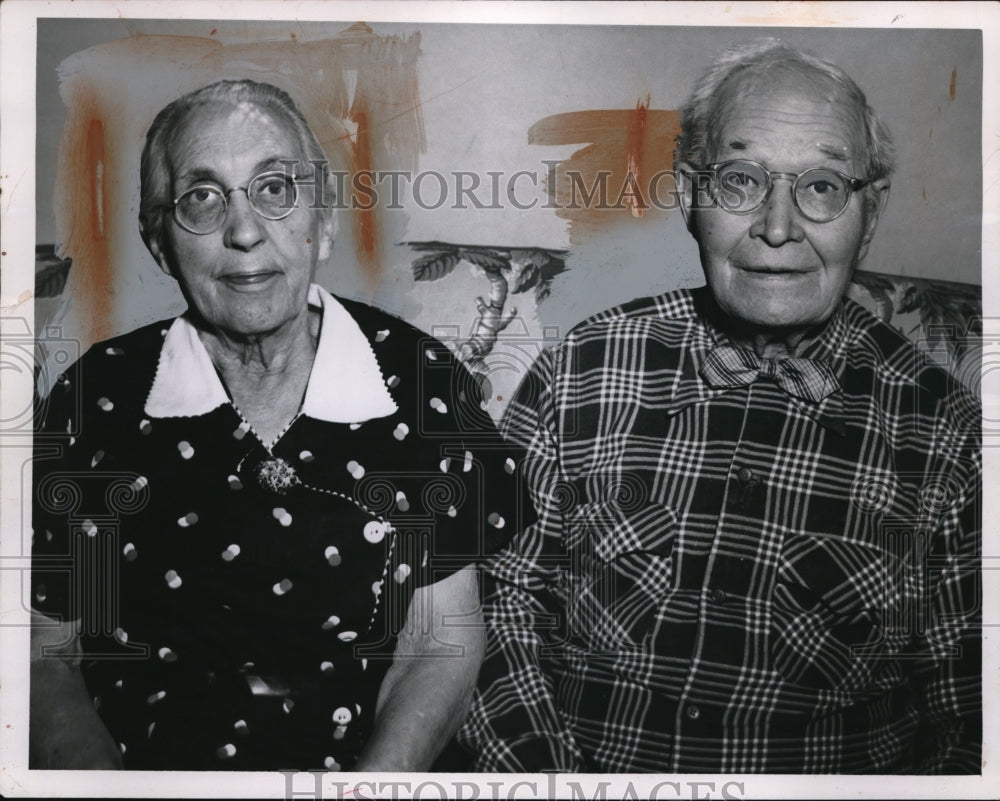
pixel 293 576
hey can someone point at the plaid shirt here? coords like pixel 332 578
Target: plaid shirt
pixel 736 580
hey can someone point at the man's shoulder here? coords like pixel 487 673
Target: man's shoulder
pixel 675 306
pixel 895 361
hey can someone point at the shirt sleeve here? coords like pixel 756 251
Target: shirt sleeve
pixel 515 723
pixel 468 481
pixel 949 680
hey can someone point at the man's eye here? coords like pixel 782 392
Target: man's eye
pixel 822 187
pixel 736 180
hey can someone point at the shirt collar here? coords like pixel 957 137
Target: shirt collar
pixel 345 385
pixel 828 346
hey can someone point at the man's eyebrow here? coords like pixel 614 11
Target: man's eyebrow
pixel 830 151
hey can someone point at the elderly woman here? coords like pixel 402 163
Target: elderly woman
pixel 257 521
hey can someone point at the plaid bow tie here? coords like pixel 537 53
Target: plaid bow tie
pixel 727 366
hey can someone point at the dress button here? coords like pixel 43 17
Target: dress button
pixel 692 712
pixel 719 596
pixel 745 474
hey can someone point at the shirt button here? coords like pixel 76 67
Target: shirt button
pixel 692 712
pixel 719 596
pixel 745 474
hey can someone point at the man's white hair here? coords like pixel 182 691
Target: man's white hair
pixel 755 63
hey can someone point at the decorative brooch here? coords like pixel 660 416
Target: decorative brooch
pixel 276 475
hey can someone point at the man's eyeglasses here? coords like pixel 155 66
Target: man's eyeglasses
pixel 820 194
pixel 202 209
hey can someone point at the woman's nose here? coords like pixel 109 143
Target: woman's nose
pixel 243 227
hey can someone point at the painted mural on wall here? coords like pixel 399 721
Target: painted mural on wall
pixel 358 92
pixel 371 94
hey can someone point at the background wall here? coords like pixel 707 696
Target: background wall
pixel 478 98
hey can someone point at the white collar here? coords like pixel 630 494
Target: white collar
pixel 345 386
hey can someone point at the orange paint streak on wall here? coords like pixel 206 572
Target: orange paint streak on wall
pixel 634 144
pixel 365 216
pixel 953 84
pixel 109 101
pixel 624 171
pixel 95 171
pixel 99 286
pixel 88 199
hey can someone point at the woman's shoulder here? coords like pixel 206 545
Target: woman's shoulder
pixel 125 363
pixel 393 338
pixel 419 369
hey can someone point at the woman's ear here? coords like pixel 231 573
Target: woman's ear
pixel 328 219
pixel 327 233
pixel 154 243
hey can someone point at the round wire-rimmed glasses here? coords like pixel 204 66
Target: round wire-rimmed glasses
pixel 820 194
pixel 202 209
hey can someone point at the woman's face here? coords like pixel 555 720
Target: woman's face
pixel 250 277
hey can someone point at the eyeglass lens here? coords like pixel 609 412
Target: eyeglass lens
pixel 820 194
pixel 202 209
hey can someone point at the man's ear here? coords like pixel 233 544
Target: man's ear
pixel 685 189
pixel 154 243
pixel 874 212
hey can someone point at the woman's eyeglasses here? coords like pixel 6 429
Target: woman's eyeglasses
pixel 202 209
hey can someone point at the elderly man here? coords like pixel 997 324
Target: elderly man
pixel 759 507
pixel 248 519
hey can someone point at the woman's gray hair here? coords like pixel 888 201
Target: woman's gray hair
pixel 154 176
pixel 701 115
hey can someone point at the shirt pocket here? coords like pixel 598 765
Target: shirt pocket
pixel 620 572
pixel 840 612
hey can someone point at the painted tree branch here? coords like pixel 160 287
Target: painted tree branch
pixel 509 271
pixel 492 320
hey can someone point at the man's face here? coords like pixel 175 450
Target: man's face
pixel 773 269
pixel 250 277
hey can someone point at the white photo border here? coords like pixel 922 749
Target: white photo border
pixel 18 30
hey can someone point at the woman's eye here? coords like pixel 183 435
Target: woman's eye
pixel 201 195
pixel 273 187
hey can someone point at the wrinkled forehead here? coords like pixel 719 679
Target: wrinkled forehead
pixel 232 126
pixel 778 87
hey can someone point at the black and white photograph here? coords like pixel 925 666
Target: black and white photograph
pixel 498 400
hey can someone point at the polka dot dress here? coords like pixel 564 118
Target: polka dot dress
pixel 241 604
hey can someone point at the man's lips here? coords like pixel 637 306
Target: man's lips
pixel 248 280
pixel 763 269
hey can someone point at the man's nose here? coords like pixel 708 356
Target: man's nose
pixel 244 228
pixel 778 221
